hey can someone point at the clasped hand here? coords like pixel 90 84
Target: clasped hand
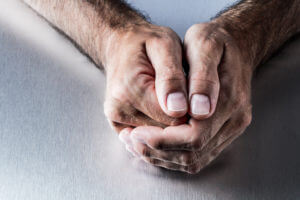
pixel 166 117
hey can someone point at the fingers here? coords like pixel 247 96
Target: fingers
pixel 158 138
pixel 143 151
pixel 165 54
pixel 192 168
pixel 189 137
pixel 203 56
pixel 149 105
pixel 131 97
pixel 124 137
pixel 122 115
pixel 194 161
pixel 178 157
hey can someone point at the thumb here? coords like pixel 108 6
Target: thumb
pixel 165 56
pixel 204 57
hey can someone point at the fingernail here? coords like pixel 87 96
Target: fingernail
pixel 176 102
pixel 200 104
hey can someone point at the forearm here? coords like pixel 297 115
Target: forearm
pixel 261 26
pixel 89 23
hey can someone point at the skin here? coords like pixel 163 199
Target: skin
pixel 243 37
pixel 191 146
pixel 142 61
pixel 139 72
pixel 143 65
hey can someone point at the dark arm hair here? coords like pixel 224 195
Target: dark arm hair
pixel 88 23
pixel 261 26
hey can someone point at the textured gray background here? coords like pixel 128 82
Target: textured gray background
pixel 56 144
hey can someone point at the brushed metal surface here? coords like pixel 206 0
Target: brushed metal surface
pixel 56 144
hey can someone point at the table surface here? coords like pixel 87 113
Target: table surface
pixel 55 142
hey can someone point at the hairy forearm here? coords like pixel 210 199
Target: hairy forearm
pixel 261 26
pixel 89 23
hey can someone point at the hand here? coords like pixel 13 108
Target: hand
pixel 211 51
pixel 146 84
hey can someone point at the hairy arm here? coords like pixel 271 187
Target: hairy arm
pixel 143 62
pixel 261 26
pixel 88 23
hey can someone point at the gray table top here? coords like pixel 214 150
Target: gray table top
pixel 56 144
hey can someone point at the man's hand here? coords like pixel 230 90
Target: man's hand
pixel 146 84
pixel 231 46
pixel 210 50
pixel 143 62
